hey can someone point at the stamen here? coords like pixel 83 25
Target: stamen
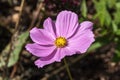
pixel 60 42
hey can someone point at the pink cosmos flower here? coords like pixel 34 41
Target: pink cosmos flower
pixel 64 37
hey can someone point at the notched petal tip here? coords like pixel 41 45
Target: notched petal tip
pixel 48 18
pixel 37 63
pixel 27 47
pixel 33 29
pixel 89 22
pixel 86 25
pixel 66 11
pixel 47 21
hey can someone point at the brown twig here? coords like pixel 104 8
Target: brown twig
pixel 36 16
pixel 38 23
pixel 13 71
pixel 68 69
pixel 14 36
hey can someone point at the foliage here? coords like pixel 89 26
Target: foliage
pixel 84 8
pixel 108 14
pixel 16 52
pixel 18 47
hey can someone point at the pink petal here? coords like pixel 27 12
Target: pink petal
pixel 66 52
pixel 86 25
pixel 48 60
pixel 40 50
pixel 49 26
pixel 81 41
pixel 66 23
pixel 56 56
pixel 42 36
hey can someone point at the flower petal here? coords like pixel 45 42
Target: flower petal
pixel 82 28
pixel 49 25
pixel 86 25
pixel 66 52
pixel 56 56
pixel 40 50
pixel 66 23
pixel 42 36
pixel 81 42
pixel 48 60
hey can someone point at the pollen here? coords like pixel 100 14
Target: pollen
pixel 60 42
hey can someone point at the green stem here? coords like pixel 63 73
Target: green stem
pixel 68 70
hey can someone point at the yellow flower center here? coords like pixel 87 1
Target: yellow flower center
pixel 60 42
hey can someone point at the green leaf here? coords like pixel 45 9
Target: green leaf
pixel 111 3
pixel 84 8
pixel 18 47
pixel 118 32
pixel 118 5
pixel 117 52
pixel 116 57
pixel 102 12
pixel 108 19
pixel 94 46
pixel 102 18
pixel 114 26
pixel 3 55
pixel 2 62
pixel 100 7
pixel 116 17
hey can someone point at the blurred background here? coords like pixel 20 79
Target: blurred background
pixel 102 60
